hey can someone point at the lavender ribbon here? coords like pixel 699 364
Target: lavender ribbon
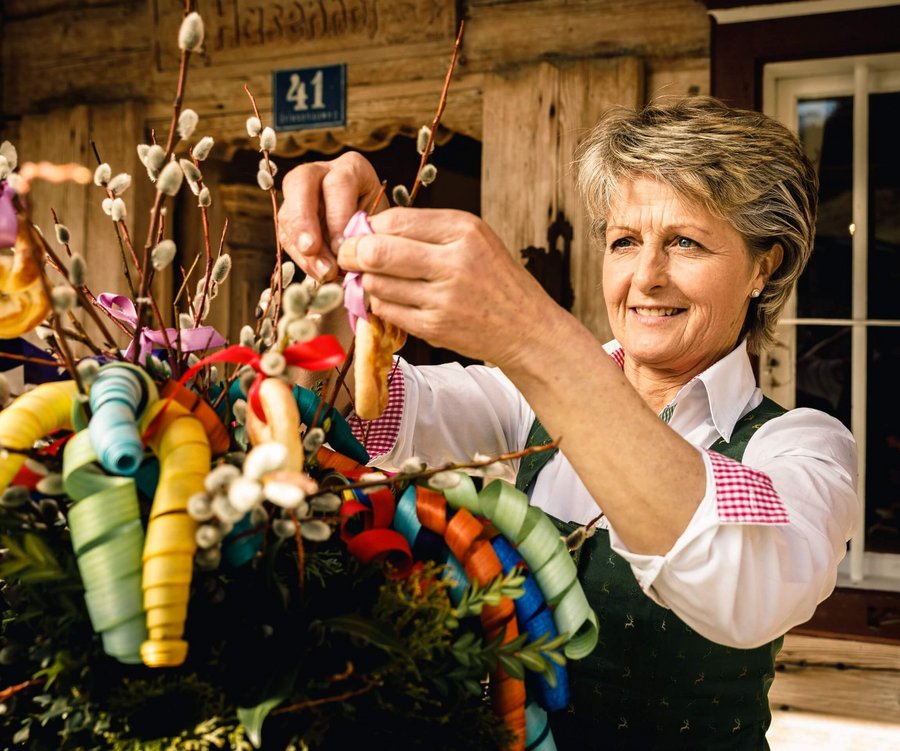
pixel 354 298
pixel 9 224
pixel 192 340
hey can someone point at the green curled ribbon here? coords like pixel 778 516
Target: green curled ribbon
pixel 543 550
pixel 108 539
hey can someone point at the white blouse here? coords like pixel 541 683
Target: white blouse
pixel 763 547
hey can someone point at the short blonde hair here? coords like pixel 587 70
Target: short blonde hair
pixel 740 165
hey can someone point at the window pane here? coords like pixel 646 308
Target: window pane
pixel 884 206
pixel 823 370
pixel 883 442
pixel 826 129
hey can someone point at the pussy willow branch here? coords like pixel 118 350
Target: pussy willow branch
pixel 437 115
pixel 277 279
pixel 146 269
pixel 207 253
pixel 401 478
pixel 87 300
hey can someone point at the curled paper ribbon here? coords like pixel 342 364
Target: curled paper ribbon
pixel 354 297
pixel 366 530
pixel 118 396
pixel 536 620
pixel 185 340
pixel 107 538
pixel 538 542
pixel 182 446
pixel 37 413
pixel 465 536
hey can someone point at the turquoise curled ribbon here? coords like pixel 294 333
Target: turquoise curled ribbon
pixel 542 549
pixel 429 546
pixel 108 541
pixel 117 398
pixel 538 736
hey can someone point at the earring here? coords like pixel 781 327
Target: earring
pixel 754 292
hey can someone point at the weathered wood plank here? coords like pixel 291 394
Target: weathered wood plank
pixel 837 676
pixel 870 694
pixel 250 31
pixel 76 55
pixel 509 33
pixel 843 653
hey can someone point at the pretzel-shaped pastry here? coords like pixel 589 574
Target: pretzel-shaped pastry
pixel 376 343
pixel 23 301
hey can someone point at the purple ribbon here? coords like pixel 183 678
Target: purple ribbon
pixel 354 298
pixel 192 340
pixel 9 224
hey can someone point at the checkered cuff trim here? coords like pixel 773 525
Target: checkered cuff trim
pixel 379 436
pixel 743 495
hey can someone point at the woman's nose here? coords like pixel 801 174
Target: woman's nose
pixel 651 268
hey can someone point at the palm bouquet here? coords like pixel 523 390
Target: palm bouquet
pixel 193 551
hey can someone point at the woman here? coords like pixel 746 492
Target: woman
pixel 704 557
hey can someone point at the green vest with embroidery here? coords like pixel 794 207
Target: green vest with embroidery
pixel 652 682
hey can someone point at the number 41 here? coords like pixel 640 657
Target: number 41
pixel 297 92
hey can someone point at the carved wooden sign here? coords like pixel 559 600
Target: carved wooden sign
pixel 242 30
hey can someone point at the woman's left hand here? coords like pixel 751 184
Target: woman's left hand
pixel 445 277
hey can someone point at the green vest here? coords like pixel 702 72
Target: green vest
pixel 652 682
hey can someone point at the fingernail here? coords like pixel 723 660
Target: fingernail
pixel 323 268
pixel 304 241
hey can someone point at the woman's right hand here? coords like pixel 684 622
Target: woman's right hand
pixel 319 199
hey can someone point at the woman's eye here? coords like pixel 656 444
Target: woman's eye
pixel 686 242
pixel 622 242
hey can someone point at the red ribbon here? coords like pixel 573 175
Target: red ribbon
pixel 320 353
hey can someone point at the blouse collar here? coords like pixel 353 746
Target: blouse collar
pixel 729 385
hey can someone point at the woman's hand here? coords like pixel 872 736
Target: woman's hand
pixel 319 199
pixel 445 277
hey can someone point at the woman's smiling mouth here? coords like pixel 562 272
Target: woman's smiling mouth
pixel 656 312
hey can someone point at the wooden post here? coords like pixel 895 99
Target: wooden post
pixel 534 120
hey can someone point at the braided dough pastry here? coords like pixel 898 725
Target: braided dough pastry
pixel 23 303
pixel 376 343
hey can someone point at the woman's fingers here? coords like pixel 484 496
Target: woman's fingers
pixel 319 199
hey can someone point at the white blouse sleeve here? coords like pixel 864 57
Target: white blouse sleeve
pixel 763 547
pixel 450 413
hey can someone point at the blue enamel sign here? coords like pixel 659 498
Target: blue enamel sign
pixel 305 98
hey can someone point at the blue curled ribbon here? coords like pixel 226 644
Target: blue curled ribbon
pixel 118 396
pixel 537 621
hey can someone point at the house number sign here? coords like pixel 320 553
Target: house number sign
pixel 306 98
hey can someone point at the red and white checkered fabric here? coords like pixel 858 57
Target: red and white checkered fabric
pixel 745 495
pixel 619 356
pixel 379 436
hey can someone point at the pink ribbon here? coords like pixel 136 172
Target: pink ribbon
pixel 354 298
pixel 9 224
pixel 192 340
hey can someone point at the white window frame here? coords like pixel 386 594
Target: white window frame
pixel 784 84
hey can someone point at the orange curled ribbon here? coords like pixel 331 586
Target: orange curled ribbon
pixel 468 540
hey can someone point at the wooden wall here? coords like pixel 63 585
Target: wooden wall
pixel 66 69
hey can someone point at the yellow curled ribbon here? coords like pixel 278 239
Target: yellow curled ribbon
pixel 181 444
pixel 541 547
pixel 33 415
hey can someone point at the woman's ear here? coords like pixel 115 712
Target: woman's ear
pixel 768 264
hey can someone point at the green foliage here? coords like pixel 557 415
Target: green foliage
pixel 355 657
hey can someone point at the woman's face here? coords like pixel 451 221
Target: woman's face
pixel 676 280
